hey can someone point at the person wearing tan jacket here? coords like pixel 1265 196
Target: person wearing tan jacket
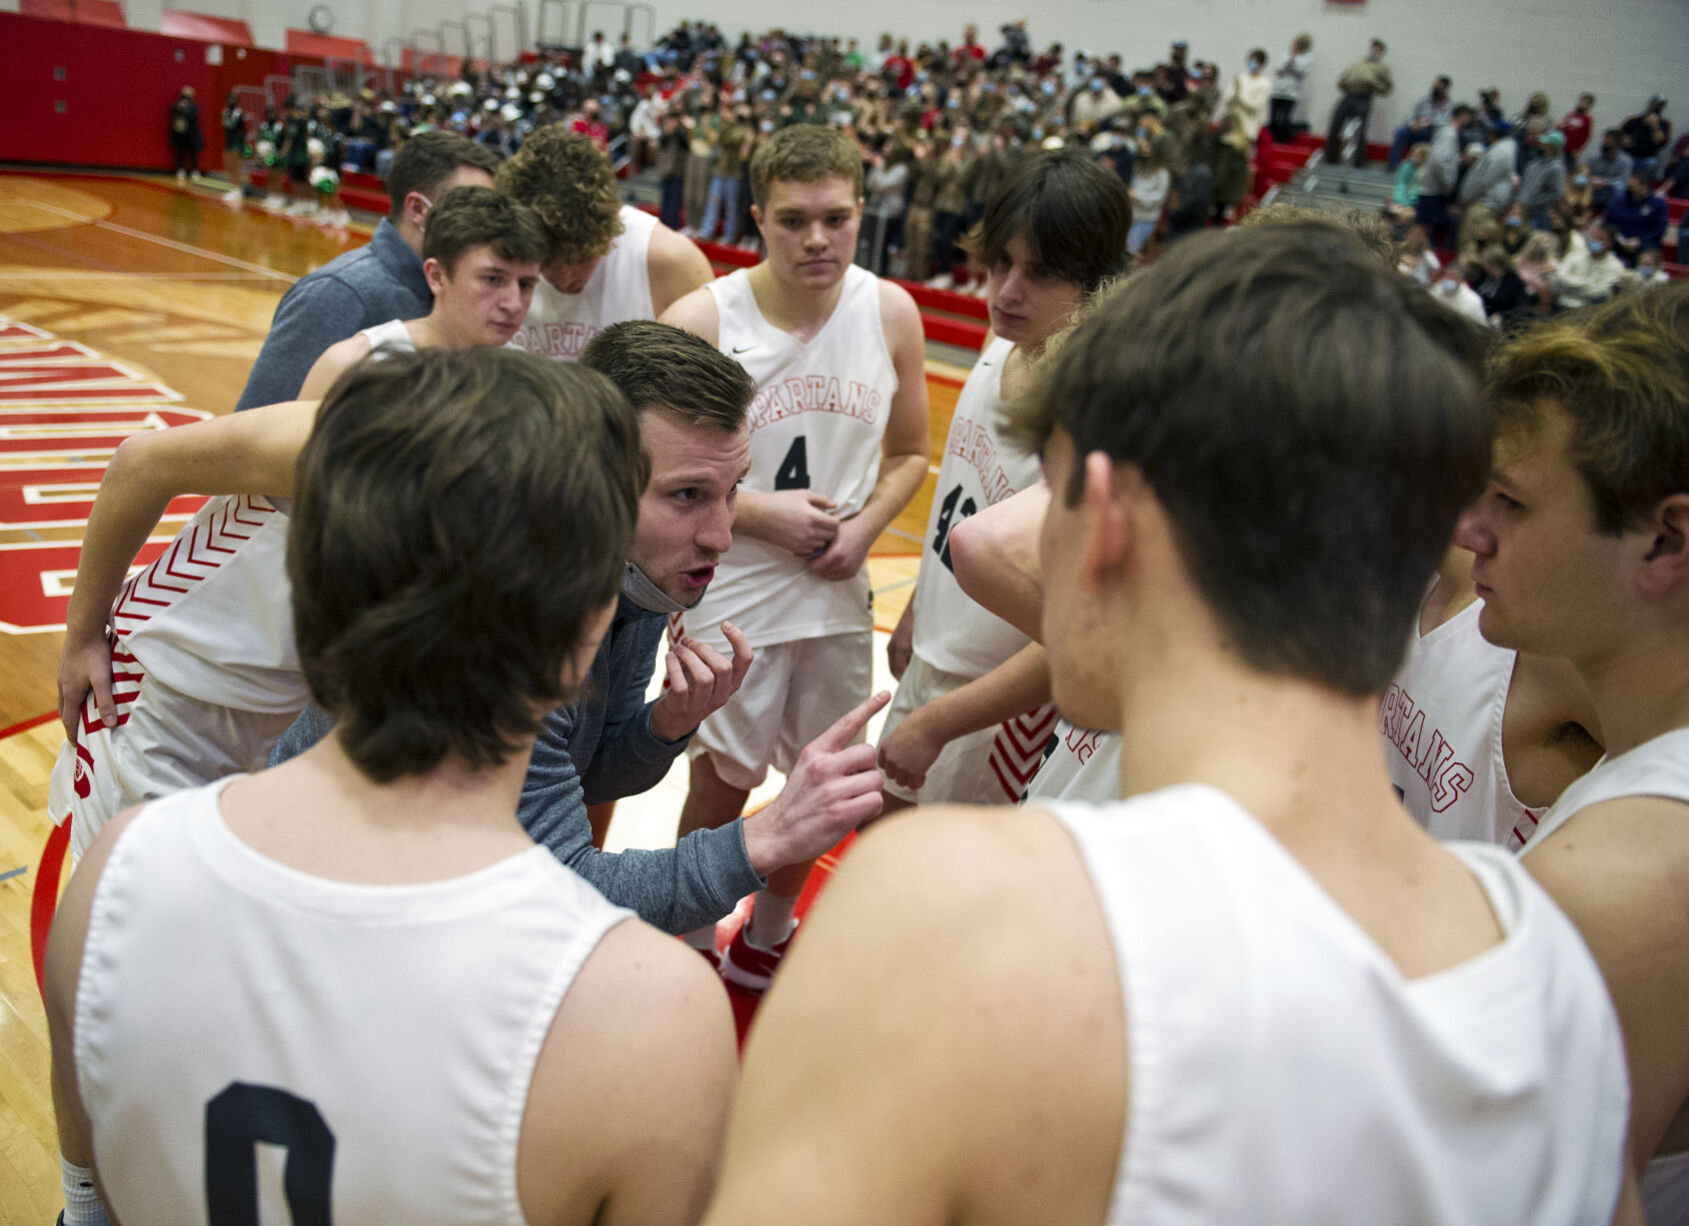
pixel 1361 82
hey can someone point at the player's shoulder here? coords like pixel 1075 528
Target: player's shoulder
pixel 675 266
pixel 1626 858
pixel 975 871
pixel 897 305
pixel 696 312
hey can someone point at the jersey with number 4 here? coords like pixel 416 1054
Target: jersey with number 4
pixel 953 632
pixel 237 1019
pixel 817 421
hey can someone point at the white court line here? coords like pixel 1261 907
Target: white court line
pixel 162 242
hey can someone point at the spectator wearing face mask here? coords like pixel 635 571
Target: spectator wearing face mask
pixel 1645 135
pixel 1453 292
pixel 1440 177
pixel 1248 94
pixel 1578 200
pixel 1492 179
pixel 1360 83
pixel 1649 274
pixel 1095 103
pixel 1589 271
pixel 1499 287
pixel 1638 219
pixel 1289 76
pixel 1608 166
pixel 1429 113
pixel 1544 181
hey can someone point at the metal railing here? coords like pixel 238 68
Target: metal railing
pixel 629 9
pixel 540 31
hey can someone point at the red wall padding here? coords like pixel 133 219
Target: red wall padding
pixel 117 89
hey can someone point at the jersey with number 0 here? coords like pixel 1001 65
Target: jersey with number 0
pixel 953 632
pixel 559 325
pixel 236 1017
pixel 1441 722
pixel 817 421
pixel 1659 767
pixel 1284 1072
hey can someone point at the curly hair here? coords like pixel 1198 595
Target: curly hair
pixel 569 182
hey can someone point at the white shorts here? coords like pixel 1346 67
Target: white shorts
pixel 164 742
pixel 988 767
pixel 793 693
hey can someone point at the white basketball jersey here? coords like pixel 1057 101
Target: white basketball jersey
pixel 817 420
pixel 235 1015
pixel 953 632
pixel 559 325
pixel 1659 767
pixel 212 617
pixel 1441 723
pixel 1082 765
pixel 1283 1072
pixel 390 337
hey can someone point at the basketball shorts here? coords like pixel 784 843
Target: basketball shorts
pixel 988 767
pixel 793 693
pixel 164 742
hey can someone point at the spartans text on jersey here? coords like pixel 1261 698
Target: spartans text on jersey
pixel 779 399
pixel 1403 725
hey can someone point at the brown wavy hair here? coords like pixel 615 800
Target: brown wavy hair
pixel 569 182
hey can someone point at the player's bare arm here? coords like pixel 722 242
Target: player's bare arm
pixel 1620 870
pixel 645 1129
pixel 1019 684
pixel 1012 1117
pixel 336 360
pixel 904 449
pixel 996 557
pixel 244 453
pixel 675 267
pixel 63 972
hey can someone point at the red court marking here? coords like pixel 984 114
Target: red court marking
pixel 745 1003
pixel 35 721
pixel 45 899
pixel 25 606
pixel 67 495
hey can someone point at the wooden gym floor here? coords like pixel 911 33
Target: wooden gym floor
pixel 129 304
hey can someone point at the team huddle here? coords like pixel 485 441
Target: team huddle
pixel 1281 816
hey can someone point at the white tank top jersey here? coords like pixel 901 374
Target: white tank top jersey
pixel 379 1040
pixel 1659 767
pixel 817 421
pixel 954 632
pixel 559 325
pixel 1082 765
pixel 1283 1071
pixel 1441 723
pixel 212 616
pixel 390 337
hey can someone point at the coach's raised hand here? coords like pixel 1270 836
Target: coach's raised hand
pixel 832 790
pixel 700 683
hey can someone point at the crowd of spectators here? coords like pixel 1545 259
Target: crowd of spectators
pixel 941 125
pixel 1541 215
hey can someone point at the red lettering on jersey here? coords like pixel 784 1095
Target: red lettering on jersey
pixel 1403 724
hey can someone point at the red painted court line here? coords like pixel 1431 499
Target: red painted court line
pixel 33 722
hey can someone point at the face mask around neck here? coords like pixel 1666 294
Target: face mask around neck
pixel 637 587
